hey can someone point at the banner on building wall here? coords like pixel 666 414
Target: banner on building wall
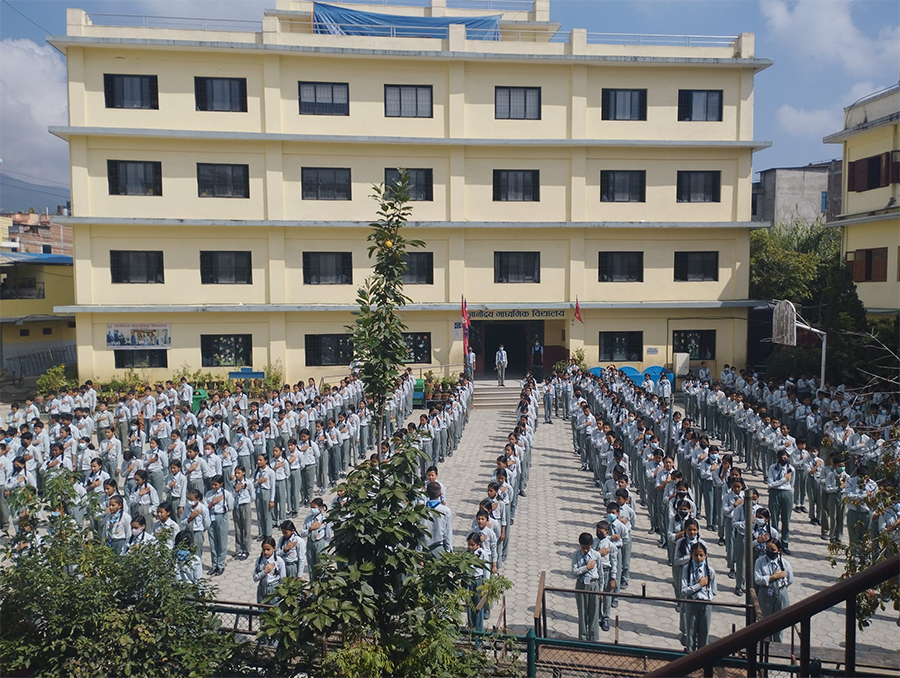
pixel 138 336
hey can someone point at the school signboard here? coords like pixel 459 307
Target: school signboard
pixel 138 336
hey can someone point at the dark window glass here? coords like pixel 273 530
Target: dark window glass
pixel 46 249
pixel 699 105
pixel 421 182
pixel 226 350
pixel 699 186
pixel 328 349
pixel 46 330
pixel 418 347
pixel 136 267
pixel 24 333
pixel 623 185
pixel 131 91
pixel 517 267
pixel 325 183
pixel 420 268
pixel 699 344
pixel 133 177
pixel 621 346
pixel 517 185
pixel 327 268
pixel 324 98
pixel 226 268
pixel 223 181
pixel 624 104
pixel 621 267
pixel 221 94
pixel 517 103
pixel 407 101
pixel 693 266
pixel 71 324
pixel 141 358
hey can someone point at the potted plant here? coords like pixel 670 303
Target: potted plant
pixel 428 386
pixel 445 388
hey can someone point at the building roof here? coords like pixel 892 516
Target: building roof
pixel 10 258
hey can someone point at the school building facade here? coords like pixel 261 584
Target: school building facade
pixel 222 174
pixel 870 217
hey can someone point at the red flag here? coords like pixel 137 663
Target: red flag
pixel 465 344
pixel 578 312
pixel 465 314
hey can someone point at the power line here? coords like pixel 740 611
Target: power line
pixel 27 18
pixel 31 176
pixel 56 196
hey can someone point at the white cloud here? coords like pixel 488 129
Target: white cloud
pixel 817 123
pixel 823 31
pixel 33 86
pixel 251 10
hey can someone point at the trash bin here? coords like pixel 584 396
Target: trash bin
pixel 199 394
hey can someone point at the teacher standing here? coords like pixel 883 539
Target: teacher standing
pixel 500 363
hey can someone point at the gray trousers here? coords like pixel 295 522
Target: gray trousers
pixel 263 516
pixel 308 475
pixel 588 610
pixel 501 375
pixel 780 507
pixel 697 619
pixel 772 604
pixel 218 540
pixel 241 517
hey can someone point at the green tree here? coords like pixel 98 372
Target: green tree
pixel 390 607
pixel 72 607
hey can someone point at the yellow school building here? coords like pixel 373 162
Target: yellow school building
pixel 870 216
pixel 222 174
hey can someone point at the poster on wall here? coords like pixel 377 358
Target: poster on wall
pixel 138 336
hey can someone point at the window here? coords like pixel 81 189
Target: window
pixel 873 172
pixel 324 98
pixel 699 186
pixel 24 333
pixel 325 183
pixel 517 267
pixel 141 358
pixel 328 349
pixel 71 324
pixel 221 94
pixel 136 267
pixel 699 105
pixel 517 103
pixel 691 266
pixel 418 347
pixel 131 91
pixel 407 101
pixel 624 104
pixel 133 177
pixel 46 330
pixel 623 185
pixel 517 185
pixel 621 267
pixel 868 265
pixel 46 249
pixel 699 344
pixel 327 268
pixel 420 268
pixel 225 268
pixel 223 181
pixel 619 346
pixel 421 182
pixel 226 350
pixel 824 206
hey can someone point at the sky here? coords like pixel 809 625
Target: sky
pixel 827 54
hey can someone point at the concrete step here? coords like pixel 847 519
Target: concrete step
pixel 491 396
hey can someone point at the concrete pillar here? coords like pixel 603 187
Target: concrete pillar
pixel 456 200
pixel 438 8
pixel 76 20
pixel 274 181
pixel 456 101
pixel 542 10
pixel 77 104
pixel 457 38
pixel 271 98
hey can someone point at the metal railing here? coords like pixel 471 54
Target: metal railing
pixel 179 22
pixel 846 591
pixel 30 364
pixel 661 40
pixel 31 290
pixel 502 5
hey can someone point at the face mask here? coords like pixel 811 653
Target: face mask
pixel 771 555
pixel 611 517
pixel 684 514
pixel 761 522
pixel 134 428
pixel 194 503
pixel 137 532
pixel 840 469
pixel 314 511
pixel 82 446
pixel 182 554
pixel 55 514
pixel 714 457
pixel 782 461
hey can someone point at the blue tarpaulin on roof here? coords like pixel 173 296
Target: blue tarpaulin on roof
pixel 332 20
pixel 8 258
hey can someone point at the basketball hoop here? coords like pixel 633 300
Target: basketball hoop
pixel 784 324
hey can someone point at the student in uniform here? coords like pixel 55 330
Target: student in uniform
pixel 219 502
pixel 118 523
pixel 317 533
pixel 292 550
pixel 195 517
pixel 244 495
pixel 698 582
pixel 439 527
pixel 139 534
pixel 166 527
pixel 282 471
pixel 176 486
pixel 269 571
pixel 188 567
pixel 586 570
pixel 608 569
pixel 144 500
pixel 264 486
pixel 773 575
pixel 781 478
pixel 835 482
pixel 474 616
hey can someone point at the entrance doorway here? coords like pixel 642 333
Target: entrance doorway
pixel 517 336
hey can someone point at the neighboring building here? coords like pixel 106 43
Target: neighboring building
pixel 870 219
pixel 784 195
pixel 5 243
pixel 38 233
pixel 222 173
pixel 31 285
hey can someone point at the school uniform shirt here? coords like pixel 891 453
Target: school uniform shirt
pixel 50 468
pixel 274 577
pixel 264 482
pixel 119 525
pixel 690 581
pixel 220 508
pixel 244 492
pixel 292 555
pixel 213 466
pixel 199 524
pixel 765 568
pixel 439 528
pixel 137 539
pixel 149 498
pixel 609 562
pixel 778 479
pixel 683 549
pixel 19 479
pixel 101 476
pixel 580 569
pixel 857 493
pixel 172 528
